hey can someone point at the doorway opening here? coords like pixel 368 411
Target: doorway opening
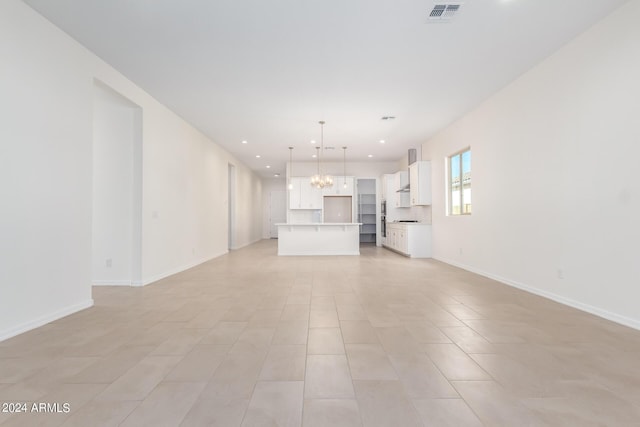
pixel 231 201
pixel 277 211
pixel 117 189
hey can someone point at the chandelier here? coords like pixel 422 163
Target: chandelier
pixel 320 180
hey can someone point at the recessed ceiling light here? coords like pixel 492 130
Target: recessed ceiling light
pixel 382 141
pixel 244 142
pixel 276 175
pixel 313 155
pixel 312 141
pixel 370 155
pixel 268 167
pixel 257 156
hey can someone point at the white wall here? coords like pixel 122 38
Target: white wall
pixel 555 191
pixel 46 81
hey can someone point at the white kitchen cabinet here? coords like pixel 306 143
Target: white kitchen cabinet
pixel 420 180
pixel 401 198
pixel 303 195
pixel 411 239
pixel 338 189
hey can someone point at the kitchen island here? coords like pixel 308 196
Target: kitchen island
pixel 319 239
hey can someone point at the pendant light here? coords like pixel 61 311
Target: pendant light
pixel 344 166
pixel 320 180
pixel 290 186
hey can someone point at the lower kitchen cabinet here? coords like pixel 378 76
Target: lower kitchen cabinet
pixel 410 239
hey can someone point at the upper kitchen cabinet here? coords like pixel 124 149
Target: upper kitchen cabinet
pixel 401 181
pixel 420 180
pixel 303 195
pixel 338 188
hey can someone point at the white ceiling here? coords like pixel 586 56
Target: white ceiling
pixel 268 71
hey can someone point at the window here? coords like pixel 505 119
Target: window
pixel 459 166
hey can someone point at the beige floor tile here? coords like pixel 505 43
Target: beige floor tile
pixel 424 332
pixel 369 362
pixel 181 342
pixel 327 377
pixel 140 380
pixel 237 374
pixel 324 318
pixel 13 370
pixel 224 333
pixel 199 364
pixel 351 312
pixel 420 377
pixel 292 332
pixel 358 332
pixel 259 337
pixel 397 340
pixel 275 403
pixel 284 363
pixel 383 403
pixel 212 410
pixel 323 302
pixel 446 413
pixel 331 413
pixel 325 341
pixel 96 413
pixel 75 395
pixel 295 313
pixel 167 405
pixel 468 340
pixel 454 363
pixel 512 357
pixel 493 404
pixel 111 367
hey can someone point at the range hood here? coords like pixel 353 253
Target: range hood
pixel 404 189
pixel 412 155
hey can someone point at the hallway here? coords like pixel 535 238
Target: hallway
pixel 252 339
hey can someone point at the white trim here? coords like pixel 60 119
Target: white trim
pixel 111 283
pixel 43 320
pixel 605 314
pixel 176 270
pixel 235 248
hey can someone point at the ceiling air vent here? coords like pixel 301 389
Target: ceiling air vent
pixel 444 11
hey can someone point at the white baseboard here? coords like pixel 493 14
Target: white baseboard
pixel 605 314
pixel 112 283
pixel 235 248
pixel 43 320
pixel 155 278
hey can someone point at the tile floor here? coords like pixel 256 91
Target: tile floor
pixel 252 339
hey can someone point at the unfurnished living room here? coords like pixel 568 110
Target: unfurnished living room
pixel 306 213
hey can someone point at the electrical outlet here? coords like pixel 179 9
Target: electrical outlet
pixel 108 262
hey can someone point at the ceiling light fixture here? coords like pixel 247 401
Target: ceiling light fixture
pixel 290 185
pixel 312 141
pixel 320 180
pixel 370 155
pixel 344 166
pixel 382 141
pixel 257 156
pixel 244 142
pixel 268 167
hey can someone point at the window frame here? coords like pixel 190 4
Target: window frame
pixel 449 169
